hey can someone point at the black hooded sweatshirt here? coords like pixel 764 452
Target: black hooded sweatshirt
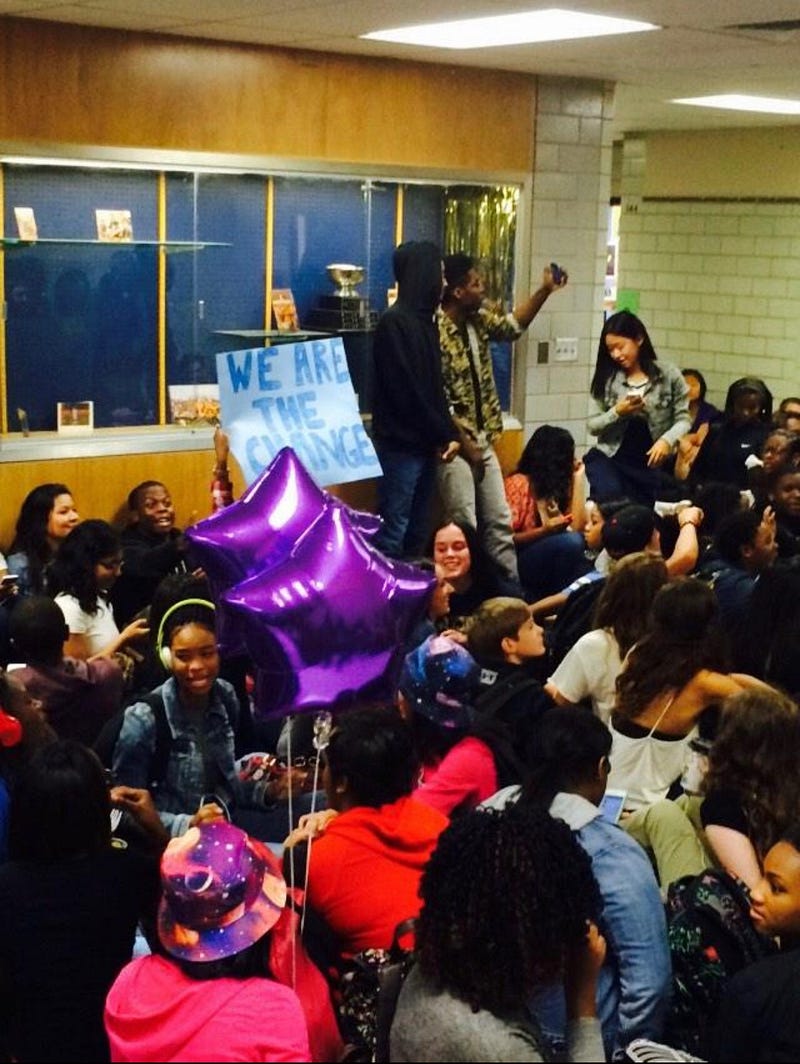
pixel 409 409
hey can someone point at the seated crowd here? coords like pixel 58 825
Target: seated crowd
pixel 576 826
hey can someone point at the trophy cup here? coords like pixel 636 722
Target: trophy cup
pixel 345 309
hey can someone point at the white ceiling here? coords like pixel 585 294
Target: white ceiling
pixel 696 53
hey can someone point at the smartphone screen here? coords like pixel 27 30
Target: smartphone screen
pixel 611 805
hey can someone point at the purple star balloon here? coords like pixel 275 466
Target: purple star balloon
pixel 327 624
pixel 262 526
pixel 260 529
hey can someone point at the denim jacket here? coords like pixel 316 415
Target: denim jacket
pixel 666 409
pixel 634 983
pixel 178 795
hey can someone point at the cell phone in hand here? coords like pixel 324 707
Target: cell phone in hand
pixel 556 273
pixel 612 805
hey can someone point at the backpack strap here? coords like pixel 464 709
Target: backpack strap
pixel 491 701
pixel 163 737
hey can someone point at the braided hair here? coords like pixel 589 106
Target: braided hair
pixel 505 895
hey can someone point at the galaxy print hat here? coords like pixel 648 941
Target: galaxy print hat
pixel 221 892
pixel 440 680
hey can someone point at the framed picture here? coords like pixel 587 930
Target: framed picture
pixel 26 223
pixel 194 404
pixel 75 419
pixel 114 226
pixel 284 310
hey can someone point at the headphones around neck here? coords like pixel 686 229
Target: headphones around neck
pixel 163 653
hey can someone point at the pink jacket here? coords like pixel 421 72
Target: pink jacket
pixel 156 1013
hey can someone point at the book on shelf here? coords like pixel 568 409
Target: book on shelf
pixel 114 226
pixel 26 223
pixel 284 310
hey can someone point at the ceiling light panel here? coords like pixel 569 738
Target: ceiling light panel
pixel 739 102
pixel 525 27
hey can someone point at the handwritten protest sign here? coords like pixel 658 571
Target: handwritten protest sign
pixel 299 396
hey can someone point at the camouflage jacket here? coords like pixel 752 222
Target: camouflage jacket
pixel 458 384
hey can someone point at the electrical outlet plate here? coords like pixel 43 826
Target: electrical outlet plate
pixel 565 349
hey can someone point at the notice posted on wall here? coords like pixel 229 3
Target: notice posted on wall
pixel 299 396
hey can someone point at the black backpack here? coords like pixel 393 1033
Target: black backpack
pixel 369 987
pixel 711 937
pixel 106 741
pixel 573 620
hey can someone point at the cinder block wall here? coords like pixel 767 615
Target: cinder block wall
pixel 718 278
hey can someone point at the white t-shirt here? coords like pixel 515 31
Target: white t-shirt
pixel 99 628
pixel 590 670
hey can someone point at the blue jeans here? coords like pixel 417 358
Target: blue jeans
pixel 405 494
pixel 612 479
pixel 548 565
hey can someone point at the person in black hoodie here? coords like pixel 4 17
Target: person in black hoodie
pixel 746 425
pixel 411 424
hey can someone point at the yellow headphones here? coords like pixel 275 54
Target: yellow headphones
pixel 164 654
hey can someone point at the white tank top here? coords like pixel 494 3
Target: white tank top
pixel 646 766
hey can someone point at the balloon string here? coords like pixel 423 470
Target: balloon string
pixel 310 839
pixel 291 851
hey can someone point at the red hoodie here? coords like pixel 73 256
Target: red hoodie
pixel 365 870
pixel 156 1013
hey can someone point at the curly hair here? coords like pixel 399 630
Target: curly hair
pixel 31 536
pixel 72 571
pixel 755 755
pixel 623 323
pixel 682 639
pixel 505 896
pixel 547 461
pixel 624 604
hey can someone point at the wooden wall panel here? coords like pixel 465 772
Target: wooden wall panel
pixel 101 485
pixel 82 85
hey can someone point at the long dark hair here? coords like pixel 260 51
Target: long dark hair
pixel 623 323
pixel 30 535
pixel 72 571
pixel 682 639
pixel 548 461
pixel 755 755
pixel 626 599
pixel 483 569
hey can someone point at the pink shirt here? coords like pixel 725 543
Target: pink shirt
pixel 466 775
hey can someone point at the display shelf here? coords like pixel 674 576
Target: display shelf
pixel 278 335
pixel 11 243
